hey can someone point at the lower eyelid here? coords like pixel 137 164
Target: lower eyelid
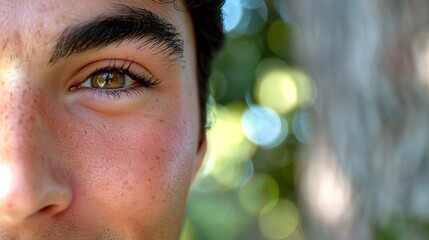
pixel 107 102
pixel 110 94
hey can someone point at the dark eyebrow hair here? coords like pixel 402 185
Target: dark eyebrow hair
pixel 126 23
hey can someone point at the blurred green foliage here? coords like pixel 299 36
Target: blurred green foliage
pixel 246 188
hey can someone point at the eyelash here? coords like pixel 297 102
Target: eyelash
pixel 144 80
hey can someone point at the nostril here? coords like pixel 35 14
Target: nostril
pixel 25 193
pixel 46 209
pixel 50 210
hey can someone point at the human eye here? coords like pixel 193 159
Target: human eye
pixel 116 79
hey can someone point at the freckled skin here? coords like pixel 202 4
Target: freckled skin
pixel 81 170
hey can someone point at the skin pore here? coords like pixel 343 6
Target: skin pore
pixel 99 119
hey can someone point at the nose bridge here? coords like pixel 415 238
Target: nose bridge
pixel 19 116
pixel 20 131
pixel 19 137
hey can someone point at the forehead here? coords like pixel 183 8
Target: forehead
pixel 29 27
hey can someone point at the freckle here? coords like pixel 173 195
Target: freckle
pixel 153 197
pixel 157 157
pixel 86 133
pixel 161 121
pixel 149 180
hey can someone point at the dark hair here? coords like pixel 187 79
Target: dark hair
pixel 207 19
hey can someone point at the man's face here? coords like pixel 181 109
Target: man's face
pixel 99 122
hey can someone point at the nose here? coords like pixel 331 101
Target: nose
pixel 32 183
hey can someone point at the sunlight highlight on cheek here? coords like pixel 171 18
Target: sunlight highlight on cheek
pixel 5 180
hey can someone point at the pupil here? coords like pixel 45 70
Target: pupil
pixel 108 77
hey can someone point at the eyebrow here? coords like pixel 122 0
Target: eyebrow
pixel 126 23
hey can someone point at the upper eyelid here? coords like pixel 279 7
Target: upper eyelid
pixel 123 68
pixel 125 64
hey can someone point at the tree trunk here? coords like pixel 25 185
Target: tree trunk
pixel 366 173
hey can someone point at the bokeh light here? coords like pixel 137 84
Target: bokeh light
pixel 281 87
pixel 263 126
pixel 229 150
pixel 277 89
pixel 258 191
pixel 279 219
pixel 233 12
pixel 226 139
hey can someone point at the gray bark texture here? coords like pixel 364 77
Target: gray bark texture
pixel 365 175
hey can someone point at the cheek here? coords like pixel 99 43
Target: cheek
pixel 138 167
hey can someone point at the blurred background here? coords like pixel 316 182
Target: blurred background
pixel 361 137
pixel 259 115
